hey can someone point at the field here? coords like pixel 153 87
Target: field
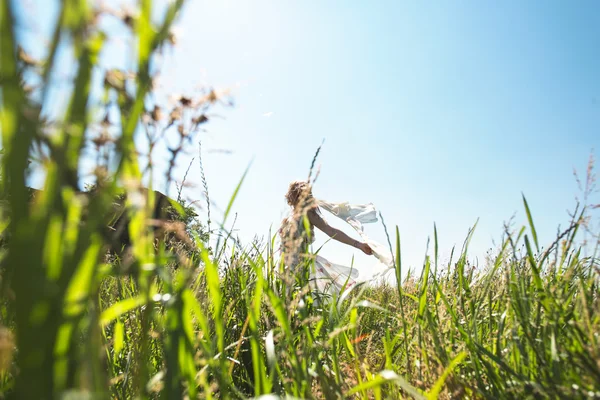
pixel 219 319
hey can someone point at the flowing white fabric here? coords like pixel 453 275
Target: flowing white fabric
pixel 332 278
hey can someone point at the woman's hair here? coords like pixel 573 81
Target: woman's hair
pixel 299 191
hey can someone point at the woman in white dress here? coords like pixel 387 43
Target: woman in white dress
pixel 297 232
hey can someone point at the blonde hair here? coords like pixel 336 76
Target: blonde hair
pixel 299 192
pixel 293 237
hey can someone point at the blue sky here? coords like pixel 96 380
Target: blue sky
pixel 440 113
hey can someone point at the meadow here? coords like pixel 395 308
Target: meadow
pixel 215 318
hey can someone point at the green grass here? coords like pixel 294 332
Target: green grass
pixel 228 321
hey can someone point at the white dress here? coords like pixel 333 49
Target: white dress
pixel 331 278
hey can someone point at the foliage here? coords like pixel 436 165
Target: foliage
pixel 232 323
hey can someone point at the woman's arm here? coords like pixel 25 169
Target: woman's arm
pixel 336 234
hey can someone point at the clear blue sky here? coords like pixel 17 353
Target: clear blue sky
pixel 441 113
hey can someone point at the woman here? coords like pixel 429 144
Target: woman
pixel 294 235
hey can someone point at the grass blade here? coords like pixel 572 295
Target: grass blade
pixel 531 225
pixel 439 384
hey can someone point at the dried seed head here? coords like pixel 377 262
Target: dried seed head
pixel 157 114
pixel 28 89
pixel 200 119
pixel 175 115
pixel 102 139
pixel 155 83
pixel 27 59
pixel 174 36
pixel 115 78
pixel 129 15
pixel 105 122
pixel 101 174
pixel 185 101
pixel 212 97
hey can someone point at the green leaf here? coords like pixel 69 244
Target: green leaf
pixel 118 338
pixel 12 95
pixel 235 193
pixel 439 384
pixel 537 279
pixel 122 307
pixel 435 247
pixel 382 378
pixel 53 248
pixel 191 303
pixel 531 226
pixel 177 206
pixel 79 286
pixel 144 32
pixel 280 312
pixel 424 284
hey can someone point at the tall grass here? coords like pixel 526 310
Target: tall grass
pixel 163 322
